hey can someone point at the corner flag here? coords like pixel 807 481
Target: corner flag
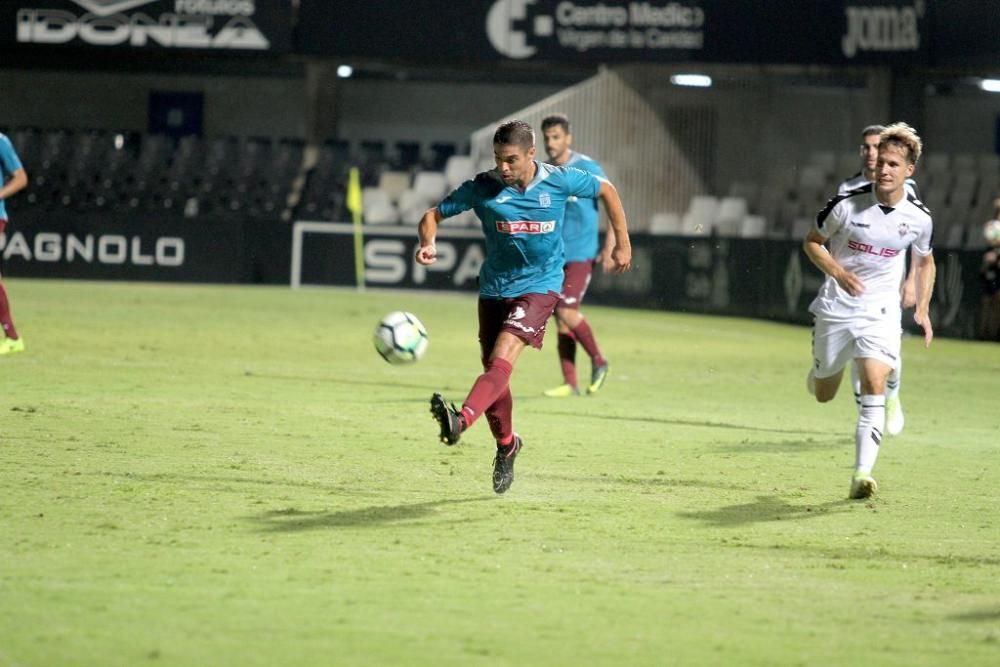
pixel 355 206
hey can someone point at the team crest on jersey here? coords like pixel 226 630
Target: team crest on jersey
pixel 544 200
pixel 904 229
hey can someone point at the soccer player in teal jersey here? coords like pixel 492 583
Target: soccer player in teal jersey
pixel 579 234
pixel 14 179
pixel 521 204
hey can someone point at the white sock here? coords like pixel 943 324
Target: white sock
pixel 892 382
pixel 868 435
pixel 856 384
pixel 811 383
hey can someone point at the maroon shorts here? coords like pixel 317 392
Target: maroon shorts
pixel 576 279
pixel 3 224
pixel 524 316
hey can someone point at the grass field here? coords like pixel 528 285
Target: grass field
pixel 232 476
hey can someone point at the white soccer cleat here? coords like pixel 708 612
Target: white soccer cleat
pixel 863 485
pixel 894 416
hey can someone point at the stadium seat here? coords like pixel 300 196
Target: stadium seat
pixel 407 155
pixel 665 223
pixel 412 205
pixel 963 162
pixel 394 183
pixel 988 164
pixel 801 227
pixel 748 190
pixel 811 179
pixel 753 227
pixel 430 184
pixel 824 160
pixel 697 221
pixel 457 170
pixel 936 163
pixel 848 164
pixel 440 151
pixel 729 216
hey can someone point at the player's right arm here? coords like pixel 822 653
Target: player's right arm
pixel 426 234
pixel 461 199
pixel 828 221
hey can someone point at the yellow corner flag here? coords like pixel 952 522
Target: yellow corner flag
pixel 355 206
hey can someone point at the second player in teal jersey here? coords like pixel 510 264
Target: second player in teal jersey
pixel 580 236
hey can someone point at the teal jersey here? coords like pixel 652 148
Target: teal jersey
pixel 9 163
pixel 523 230
pixel 580 226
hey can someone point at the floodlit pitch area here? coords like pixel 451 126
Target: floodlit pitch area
pixel 232 476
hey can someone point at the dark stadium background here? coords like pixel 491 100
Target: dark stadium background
pixel 224 122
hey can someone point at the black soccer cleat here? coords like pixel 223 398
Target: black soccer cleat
pixel 503 464
pixel 448 419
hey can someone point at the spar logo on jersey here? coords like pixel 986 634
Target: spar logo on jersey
pixel 525 227
pixel 185 24
pixel 882 28
pixel 869 249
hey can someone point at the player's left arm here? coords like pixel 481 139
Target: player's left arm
pixel 908 294
pixel 926 271
pixel 621 253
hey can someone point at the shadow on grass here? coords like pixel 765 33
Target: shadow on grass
pixel 222 482
pixel 657 481
pixel 980 616
pixel 685 422
pixel 777 446
pixel 293 520
pixel 383 383
pixel 765 508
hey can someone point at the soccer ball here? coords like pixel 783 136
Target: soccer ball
pixel 991 232
pixel 400 338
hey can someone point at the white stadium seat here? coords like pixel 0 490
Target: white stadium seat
pixel 729 215
pixel 457 170
pixel 753 227
pixel 801 228
pixel 412 205
pixel 430 184
pixel 393 183
pixel 697 221
pixel 665 223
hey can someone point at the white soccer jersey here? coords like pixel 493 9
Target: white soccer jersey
pixel 858 180
pixel 870 241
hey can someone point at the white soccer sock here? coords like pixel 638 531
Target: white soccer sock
pixel 856 384
pixel 871 420
pixel 892 382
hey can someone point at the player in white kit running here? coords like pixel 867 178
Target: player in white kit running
pixel 857 311
pixel 894 419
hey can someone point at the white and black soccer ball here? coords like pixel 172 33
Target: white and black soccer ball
pixel 400 338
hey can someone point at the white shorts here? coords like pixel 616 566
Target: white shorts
pixel 835 343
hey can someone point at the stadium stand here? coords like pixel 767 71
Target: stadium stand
pixel 264 177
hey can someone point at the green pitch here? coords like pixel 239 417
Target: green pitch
pixel 232 476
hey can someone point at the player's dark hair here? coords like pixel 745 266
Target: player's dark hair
pixel 515 133
pixel 872 129
pixel 556 120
